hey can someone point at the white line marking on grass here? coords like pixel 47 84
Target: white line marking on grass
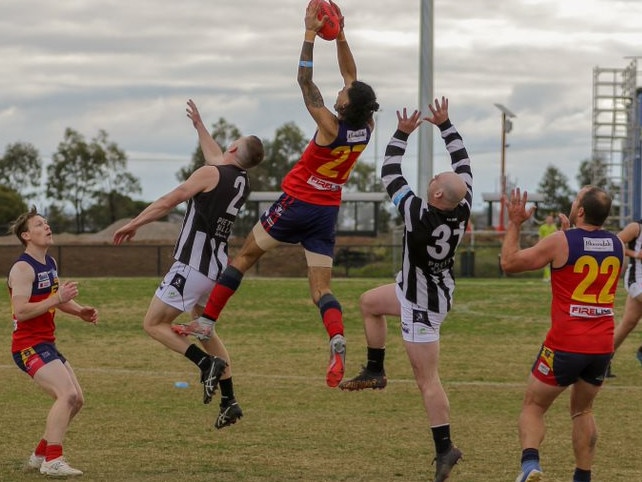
pixel 177 374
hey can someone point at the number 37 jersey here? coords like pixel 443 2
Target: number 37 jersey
pixel 584 293
pixel 322 170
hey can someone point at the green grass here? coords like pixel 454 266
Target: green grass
pixel 136 426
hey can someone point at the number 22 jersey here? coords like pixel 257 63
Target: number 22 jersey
pixel 584 293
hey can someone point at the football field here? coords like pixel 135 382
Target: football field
pixel 137 426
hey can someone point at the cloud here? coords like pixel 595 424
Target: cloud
pixel 129 69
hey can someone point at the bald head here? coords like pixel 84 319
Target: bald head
pixel 446 190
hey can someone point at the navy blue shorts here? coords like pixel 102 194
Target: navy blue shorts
pixel 31 359
pixel 291 221
pixel 561 368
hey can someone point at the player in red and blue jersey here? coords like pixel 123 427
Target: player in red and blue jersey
pixel 306 212
pixel 36 293
pixel 586 262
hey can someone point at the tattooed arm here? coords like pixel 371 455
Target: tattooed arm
pixel 327 122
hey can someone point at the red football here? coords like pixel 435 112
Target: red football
pixel 331 27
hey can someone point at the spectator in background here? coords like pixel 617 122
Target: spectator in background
pixel 546 229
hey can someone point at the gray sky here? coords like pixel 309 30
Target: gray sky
pixel 129 68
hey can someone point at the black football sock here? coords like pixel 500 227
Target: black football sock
pixel 198 357
pixel 375 359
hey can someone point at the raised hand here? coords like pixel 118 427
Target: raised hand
pixel 439 112
pixel 407 123
pixel 193 114
pixel 516 207
pixel 312 21
pixel 339 14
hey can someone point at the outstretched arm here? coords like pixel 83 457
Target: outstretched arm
pixel 516 260
pixel 204 178
pixel 454 144
pixel 391 174
pixel 347 65
pixel 211 150
pixel 326 121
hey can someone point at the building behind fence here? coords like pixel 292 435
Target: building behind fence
pixel 478 256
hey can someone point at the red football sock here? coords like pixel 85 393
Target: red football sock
pixel 53 452
pixel 333 321
pixel 41 448
pixel 217 301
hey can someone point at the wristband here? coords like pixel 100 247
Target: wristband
pixel 305 63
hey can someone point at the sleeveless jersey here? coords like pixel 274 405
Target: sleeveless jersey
pixel 202 242
pixel 322 170
pixel 584 293
pixel 41 328
pixel 634 269
pixel 431 236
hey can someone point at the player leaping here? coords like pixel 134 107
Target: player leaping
pixel 306 212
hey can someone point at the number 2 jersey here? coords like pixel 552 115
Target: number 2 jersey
pixel 323 170
pixel 431 235
pixel 584 292
pixel 207 224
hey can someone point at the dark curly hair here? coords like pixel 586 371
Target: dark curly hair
pixel 363 103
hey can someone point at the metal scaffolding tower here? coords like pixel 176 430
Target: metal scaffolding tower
pixel 616 138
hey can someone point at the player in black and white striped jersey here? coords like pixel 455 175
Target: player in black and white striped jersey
pixel 215 193
pixel 631 236
pixel 423 292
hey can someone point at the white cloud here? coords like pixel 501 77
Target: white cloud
pixel 128 68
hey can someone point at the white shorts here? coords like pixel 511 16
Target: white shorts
pixel 184 287
pixel 634 289
pixel 418 325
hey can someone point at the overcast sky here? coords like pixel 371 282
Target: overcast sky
pixel 129 68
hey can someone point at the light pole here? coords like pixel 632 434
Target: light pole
pixel 507 126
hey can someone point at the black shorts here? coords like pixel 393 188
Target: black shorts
pixel 291 221
pixel 31 359
pixel 561 368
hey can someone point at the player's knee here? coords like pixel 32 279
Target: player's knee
pixel 148 327
pixel 74 401
pixel 366 302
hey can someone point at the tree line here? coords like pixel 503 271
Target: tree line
pixel 559 196
pixel 88 187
